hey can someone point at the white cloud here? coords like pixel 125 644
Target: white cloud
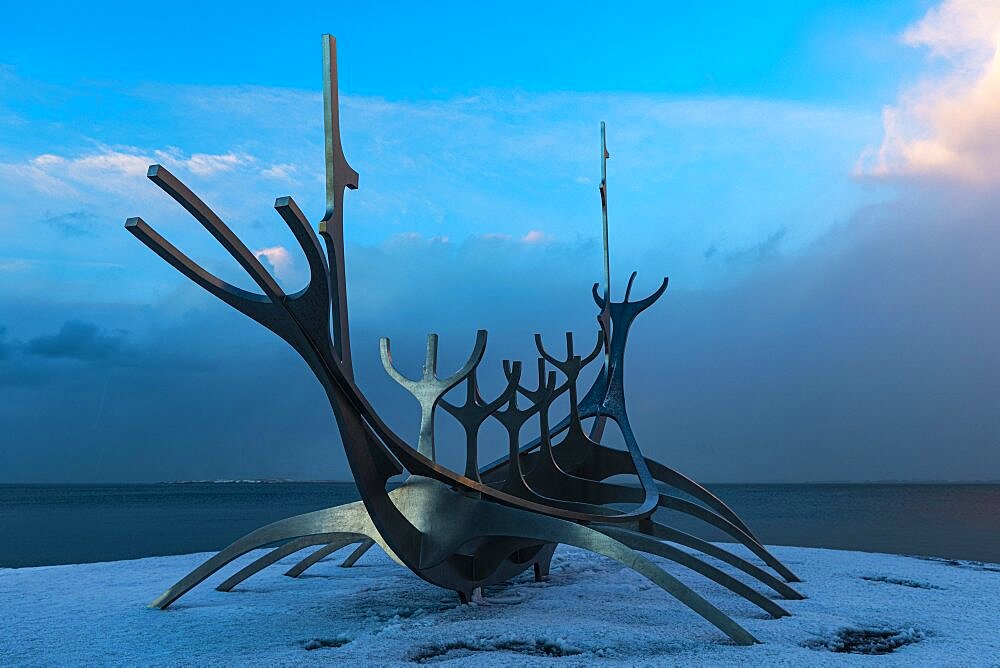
pixel 518 164
pixel 279 258
pixel 958 28
pixel 536 237
pixel 281 172
pixel 118 170
pixel 34 178
pixel 106 170
pixel 949 124
pixel 108 163
pixel 14 265
pixel 204 164
pixel 47 159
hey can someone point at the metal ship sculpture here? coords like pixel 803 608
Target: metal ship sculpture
pixel 488 523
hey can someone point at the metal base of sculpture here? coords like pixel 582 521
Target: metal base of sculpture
pixel 490 523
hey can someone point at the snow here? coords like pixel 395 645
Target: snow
pixel 902 610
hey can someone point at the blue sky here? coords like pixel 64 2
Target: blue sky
pixel 480 123
pixel 773 145
pixel 405 51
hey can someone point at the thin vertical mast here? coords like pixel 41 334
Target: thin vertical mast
pixel 339 175
pixel 604 214
pixel 604 318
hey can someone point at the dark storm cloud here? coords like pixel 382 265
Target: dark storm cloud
pixel 870 356
pixel 73 223
pixel 206 393
pixel 766 250
pixel 77 340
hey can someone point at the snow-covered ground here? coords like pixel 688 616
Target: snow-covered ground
pixel 932 611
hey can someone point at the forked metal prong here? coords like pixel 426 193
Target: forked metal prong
pixel 201 212
pixel 303 232
pixel 238 298
pixel 429 389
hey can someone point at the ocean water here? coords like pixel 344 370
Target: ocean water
pixel 62 524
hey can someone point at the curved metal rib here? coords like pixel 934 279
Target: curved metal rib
pixel 277 554
pixel 693 509
pixel 663 532
pixel 615 462
pixel 350 518
pixel 358 552
pixel 317 556
pixel 599 492
pixel 325 551
pixel 677 479
pixel 638 541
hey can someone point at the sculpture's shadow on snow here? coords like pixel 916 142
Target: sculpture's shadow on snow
pixel 324 643
pixel 902 582
pixel 375 606
pixel 340 574
pixel 866 641
pixel 463 649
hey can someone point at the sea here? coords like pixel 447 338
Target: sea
pixel 44 525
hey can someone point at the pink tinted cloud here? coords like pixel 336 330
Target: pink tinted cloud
pixel 949 124
pixel 279 258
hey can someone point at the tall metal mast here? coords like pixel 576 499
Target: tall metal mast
pixel 339 175
pixel 604 213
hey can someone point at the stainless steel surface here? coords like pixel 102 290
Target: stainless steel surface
pixel 466 531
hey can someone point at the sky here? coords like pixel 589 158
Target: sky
pixel 818 179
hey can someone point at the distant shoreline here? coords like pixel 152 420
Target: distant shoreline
pixel 73 523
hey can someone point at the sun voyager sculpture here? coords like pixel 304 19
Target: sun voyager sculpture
pixel 485 525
